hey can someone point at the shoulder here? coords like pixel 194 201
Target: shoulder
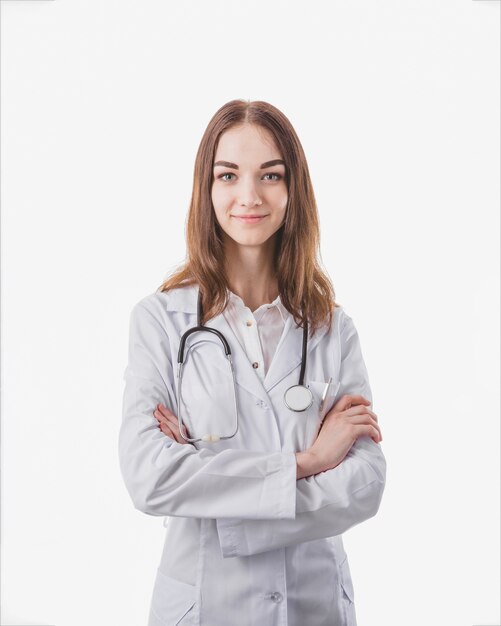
pixel 163 314
pixel 341 318
pixel 158 303
pixel 344 326
pixel 347 331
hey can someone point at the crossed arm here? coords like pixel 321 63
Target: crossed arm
pixel 264 507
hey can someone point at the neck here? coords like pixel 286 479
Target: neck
pixel 250 272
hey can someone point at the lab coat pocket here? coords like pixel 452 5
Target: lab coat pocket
pixel 317 389
pixel 348 596
pixel 346 582
pixel 171 602
pixel 318 411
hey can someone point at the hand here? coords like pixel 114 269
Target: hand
pixel 342 426
pixel 169 425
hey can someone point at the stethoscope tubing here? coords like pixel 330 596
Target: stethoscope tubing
pixel 209 437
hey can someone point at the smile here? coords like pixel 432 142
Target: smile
pixel 249 220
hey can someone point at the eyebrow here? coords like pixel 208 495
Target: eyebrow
pixel 262 166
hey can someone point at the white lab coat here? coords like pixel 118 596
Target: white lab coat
pixel 246 543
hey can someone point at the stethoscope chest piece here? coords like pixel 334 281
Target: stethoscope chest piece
pixel 298 398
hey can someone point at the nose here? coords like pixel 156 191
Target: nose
pixel 248 196
pixel 252 203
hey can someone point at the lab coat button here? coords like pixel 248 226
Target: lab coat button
pixel 255 364
pixel 276 597
pixel 249 323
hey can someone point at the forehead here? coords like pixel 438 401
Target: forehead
pixel 246 145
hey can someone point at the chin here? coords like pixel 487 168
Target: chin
pixel 249 239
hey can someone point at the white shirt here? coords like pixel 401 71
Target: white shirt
pixel 259 332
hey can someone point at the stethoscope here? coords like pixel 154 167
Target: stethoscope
pixel 297 398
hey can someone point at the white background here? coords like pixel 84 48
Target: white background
pixel 103 104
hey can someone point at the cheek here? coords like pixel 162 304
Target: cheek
pixel 221 218
pixel 215 196
pixel 281 204
pixel 280 197
pixel 219 202
pixel 282 209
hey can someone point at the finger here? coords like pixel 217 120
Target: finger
pixel 163 409
pixel 370 429
pixel 346 401
pixel 367 419
pixel 173 423
pixel 167 431
pixel 371 413
pixel 161 418
pixel 175 432
pixel 359 410
pixel 164 413
pixel 158 415
pixel 367 430
pixel 170 426
pixel 168 423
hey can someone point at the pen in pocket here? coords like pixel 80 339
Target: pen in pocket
pixel 324 395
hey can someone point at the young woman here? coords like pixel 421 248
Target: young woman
pixel 262 449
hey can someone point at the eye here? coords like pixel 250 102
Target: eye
pixel 279 176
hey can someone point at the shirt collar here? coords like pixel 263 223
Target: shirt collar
pixel 239 304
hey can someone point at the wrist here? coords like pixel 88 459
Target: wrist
pixel 305 465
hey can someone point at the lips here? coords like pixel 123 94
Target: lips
pixel 249 219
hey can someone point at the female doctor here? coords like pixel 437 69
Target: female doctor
pixel 247 414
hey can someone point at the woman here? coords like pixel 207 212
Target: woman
pixel 256 517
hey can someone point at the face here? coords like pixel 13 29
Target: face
pixel 249 180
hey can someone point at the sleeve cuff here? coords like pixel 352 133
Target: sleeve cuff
pixel 278 500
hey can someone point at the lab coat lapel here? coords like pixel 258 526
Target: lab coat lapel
pixel 286 358
pixel 288 354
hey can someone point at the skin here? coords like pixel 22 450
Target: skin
pixel 250 190
pixel 341 427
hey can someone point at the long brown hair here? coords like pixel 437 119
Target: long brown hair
pixel 305 290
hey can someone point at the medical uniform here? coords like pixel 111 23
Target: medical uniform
pixel 246 543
